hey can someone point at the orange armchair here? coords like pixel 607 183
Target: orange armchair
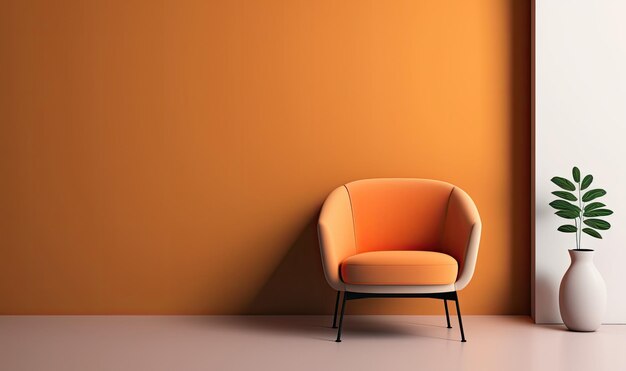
pixel 398 238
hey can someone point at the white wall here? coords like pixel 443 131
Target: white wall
pixel 580 119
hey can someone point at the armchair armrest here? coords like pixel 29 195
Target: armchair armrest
pixel 336 235
pixel 461 234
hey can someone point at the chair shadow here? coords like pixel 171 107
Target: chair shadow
pixel 296 293
pixel 297 285
pixel 320 327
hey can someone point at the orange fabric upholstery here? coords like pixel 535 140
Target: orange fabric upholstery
pixel 398 214
pixel 399 268
pixel 415 234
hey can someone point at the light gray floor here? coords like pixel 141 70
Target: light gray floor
pixel 301 343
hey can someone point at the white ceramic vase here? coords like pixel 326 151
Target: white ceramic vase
pixel 582 296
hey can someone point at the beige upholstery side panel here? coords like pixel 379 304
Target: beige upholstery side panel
pixel 461 236
pixel 336 235
pixel 389 289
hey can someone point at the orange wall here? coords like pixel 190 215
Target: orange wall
pixel 172 157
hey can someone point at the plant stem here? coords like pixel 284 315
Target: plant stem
pixel 580 204
pixel 576 223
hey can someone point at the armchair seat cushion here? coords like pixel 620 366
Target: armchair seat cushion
pixel 405 267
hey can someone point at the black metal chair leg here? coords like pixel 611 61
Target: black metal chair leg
pixel 336 308
pixel 458 314
pixel 445 304
pixel 343 309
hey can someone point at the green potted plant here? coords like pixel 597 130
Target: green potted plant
pixel 582 294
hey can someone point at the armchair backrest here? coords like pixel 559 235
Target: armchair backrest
pixel 398 214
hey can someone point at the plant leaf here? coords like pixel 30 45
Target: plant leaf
pixel 598 212
pixel 564 205
pixel 592 233
pixel 563 183
pixel 593 194
pixel 568 228
pixel 567 214
pixel 576 174
pixel 594 205
pixel 597 224
pixel 565 195
pixel 586 182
